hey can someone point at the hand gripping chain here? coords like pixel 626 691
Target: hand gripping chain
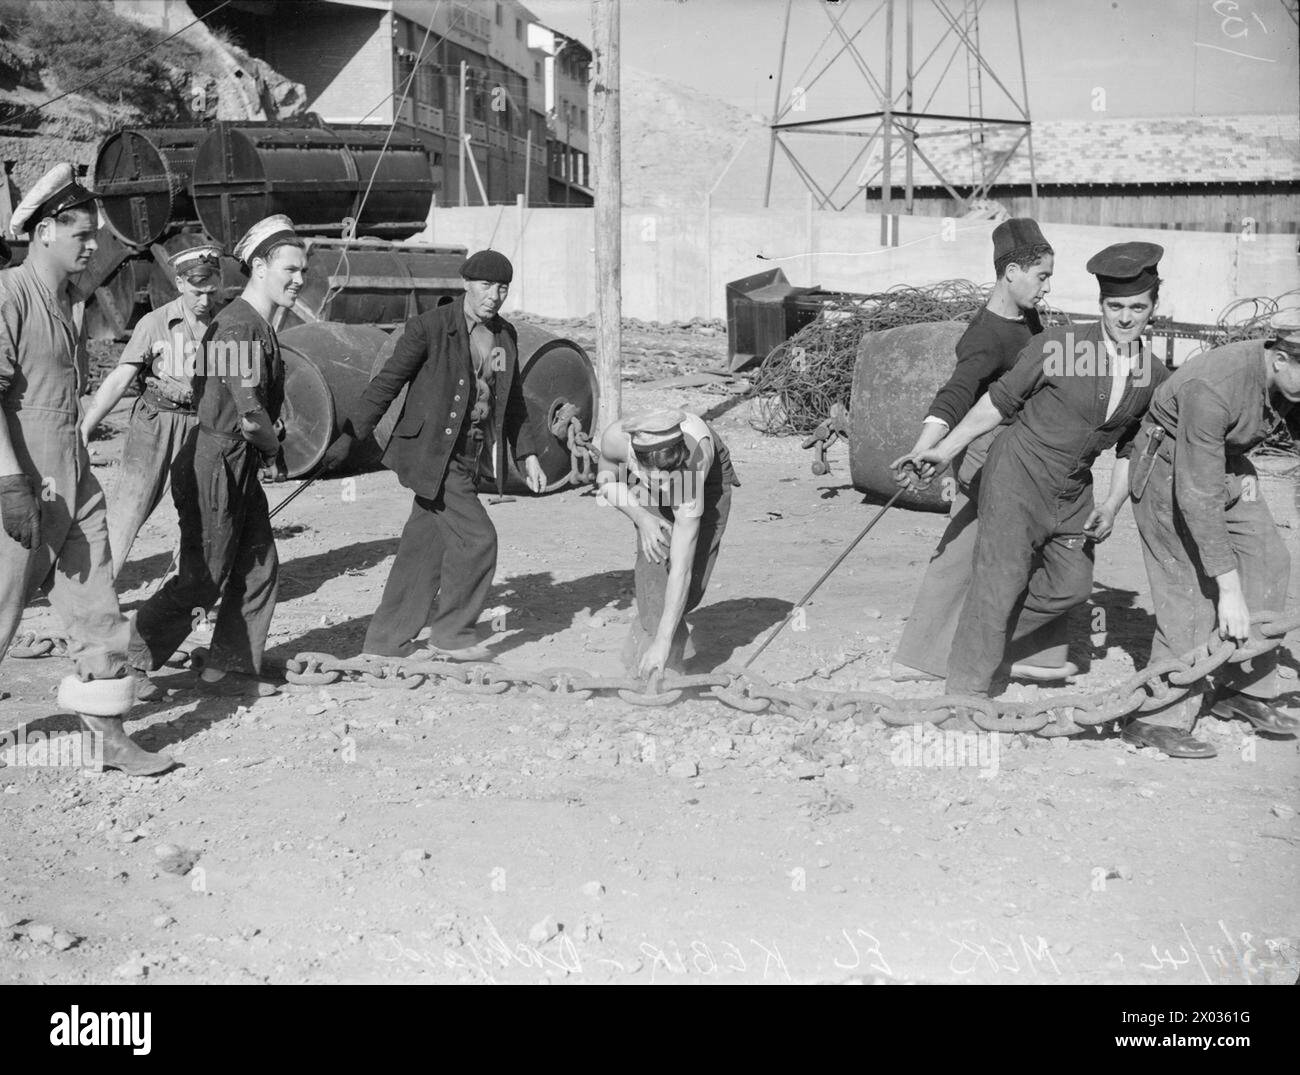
pixel 1158 685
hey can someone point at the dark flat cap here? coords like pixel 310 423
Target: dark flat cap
pixel 1126 268
pixel 1016 234
pixel 490 265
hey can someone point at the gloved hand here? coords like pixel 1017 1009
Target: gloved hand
pixel 337 453
pixel 20 510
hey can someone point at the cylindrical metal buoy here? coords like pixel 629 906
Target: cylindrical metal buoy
pixel 895 378
pixel 143 180
pixel 327 367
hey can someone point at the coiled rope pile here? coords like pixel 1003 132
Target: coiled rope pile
pixel 805 376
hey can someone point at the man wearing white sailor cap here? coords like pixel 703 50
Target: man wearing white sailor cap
pixel 160 359
pixel 228 555
pixel 670 473
pixel 55 540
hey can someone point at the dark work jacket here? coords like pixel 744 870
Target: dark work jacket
pixel 987 349
pixel 433 357
pixel 1057 394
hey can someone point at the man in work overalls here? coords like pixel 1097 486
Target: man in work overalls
pixel 159 358
pixel 1023 261
pixel 683 478
pixel 1073 393
pixel 1212 550
pixel 228 552
pixel 55 540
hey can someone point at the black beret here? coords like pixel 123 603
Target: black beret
pixel 1016 234
pixel 1126 268
pixel 490 265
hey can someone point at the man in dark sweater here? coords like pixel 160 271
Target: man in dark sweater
pixel 1023 261
pixel 227 552
pixel 1212 550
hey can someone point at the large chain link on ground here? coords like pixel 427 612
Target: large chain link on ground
pixel 1154 687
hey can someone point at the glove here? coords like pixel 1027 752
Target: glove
pixel 20 510
pixel 337 453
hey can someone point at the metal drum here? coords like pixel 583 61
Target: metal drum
pixel 328 365
pixel 143 179
pixel 898 371
pixel 326 368
pixel 371 282
pixel 315 175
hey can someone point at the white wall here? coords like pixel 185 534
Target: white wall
pixel 676 263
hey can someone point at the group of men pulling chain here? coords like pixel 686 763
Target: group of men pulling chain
pixel 207 423
pixel 1023 417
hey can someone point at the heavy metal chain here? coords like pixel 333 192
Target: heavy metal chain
pixel 1154 687
pixel 567 426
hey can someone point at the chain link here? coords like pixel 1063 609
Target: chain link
pixel 1158 685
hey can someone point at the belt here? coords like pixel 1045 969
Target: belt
pixel 220 435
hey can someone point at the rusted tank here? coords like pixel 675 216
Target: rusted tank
pixel 898 371
pixel 143 177
pixel 316 175
pixel 328 365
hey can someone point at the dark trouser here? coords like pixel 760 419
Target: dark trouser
pixel 154 441
pixel 928 637
pixel 443 570
pixel 1184 597
pixel 1032 565
pixel 227 554
pixel 652 579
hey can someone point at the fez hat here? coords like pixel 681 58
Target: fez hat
pixel 490 265
pixel 1016 234
pixel 1126 269
pixel 658 429
pixel 268 232
pixel 55 192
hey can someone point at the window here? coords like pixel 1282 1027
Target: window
pixel 500 20
pixel 537 69
pixel 519 29
pixel 583 122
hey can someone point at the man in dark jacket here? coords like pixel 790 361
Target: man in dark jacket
pixel 464 403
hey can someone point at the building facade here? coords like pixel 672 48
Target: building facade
pixel 478 74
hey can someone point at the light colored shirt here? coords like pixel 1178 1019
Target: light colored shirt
pixel 1120 367
pixel 43 361
pixel 174 326
pixel 688 494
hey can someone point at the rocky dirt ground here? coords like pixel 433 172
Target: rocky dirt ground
pixel 360 834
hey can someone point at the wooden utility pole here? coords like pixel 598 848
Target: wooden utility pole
pixel 609 209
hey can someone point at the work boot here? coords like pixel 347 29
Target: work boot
pixel 1264 717
pixel 237 685
pixel 120 750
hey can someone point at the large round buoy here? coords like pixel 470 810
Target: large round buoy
pixel 898 371
pixel 326 366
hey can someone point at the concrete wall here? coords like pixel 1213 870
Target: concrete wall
pixel 676 263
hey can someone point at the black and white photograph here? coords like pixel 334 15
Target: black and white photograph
pixel 650 492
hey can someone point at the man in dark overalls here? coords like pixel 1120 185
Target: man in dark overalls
pixel 227 550
pixel 670 473
pixel 1212 550
pixel 1073 393
pixel 464 404
pixel 1023 261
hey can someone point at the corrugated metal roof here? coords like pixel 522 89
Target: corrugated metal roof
pixel 1154 149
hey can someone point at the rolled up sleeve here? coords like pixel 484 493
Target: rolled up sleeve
pixel 1200 473
pixel 1013 389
